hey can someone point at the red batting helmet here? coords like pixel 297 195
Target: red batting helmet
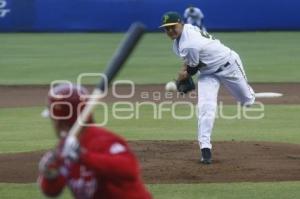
pixel 65 102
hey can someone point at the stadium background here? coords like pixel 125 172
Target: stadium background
pixel 116 15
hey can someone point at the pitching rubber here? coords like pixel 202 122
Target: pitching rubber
pixel 268 95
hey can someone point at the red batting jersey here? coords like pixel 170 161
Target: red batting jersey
pixel 107 169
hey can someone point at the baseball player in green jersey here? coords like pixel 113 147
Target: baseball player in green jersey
pixel 215 64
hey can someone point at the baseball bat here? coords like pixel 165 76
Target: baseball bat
pixel 120 56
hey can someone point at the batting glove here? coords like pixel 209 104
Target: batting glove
pixel 71 148
pixel 49 165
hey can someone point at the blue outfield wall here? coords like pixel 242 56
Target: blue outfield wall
pixel 116 15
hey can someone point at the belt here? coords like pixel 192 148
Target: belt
pixel 223 67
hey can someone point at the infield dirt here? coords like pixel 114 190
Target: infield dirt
pixel 175 161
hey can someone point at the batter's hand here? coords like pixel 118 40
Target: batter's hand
pixel 49 165
pixel 71 148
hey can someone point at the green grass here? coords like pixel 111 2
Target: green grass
pixel 21 127
pixel 24 129
pixel 268 190
pixel 41 58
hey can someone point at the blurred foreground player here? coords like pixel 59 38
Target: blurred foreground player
pixel 100 167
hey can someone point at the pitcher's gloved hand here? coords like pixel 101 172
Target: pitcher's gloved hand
pixel 185 85
pixel 71 149
pixel 49 165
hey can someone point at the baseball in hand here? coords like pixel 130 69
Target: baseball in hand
pixel 171 86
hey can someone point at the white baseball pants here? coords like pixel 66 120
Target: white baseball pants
pixel 233 77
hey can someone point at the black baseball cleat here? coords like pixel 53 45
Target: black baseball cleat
pixel 206 156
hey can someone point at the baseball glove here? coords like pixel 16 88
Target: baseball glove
pixel 186 85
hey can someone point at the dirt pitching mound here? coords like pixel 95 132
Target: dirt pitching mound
pixel 178 162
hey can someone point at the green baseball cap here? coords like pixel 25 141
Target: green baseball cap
pixel 170 19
